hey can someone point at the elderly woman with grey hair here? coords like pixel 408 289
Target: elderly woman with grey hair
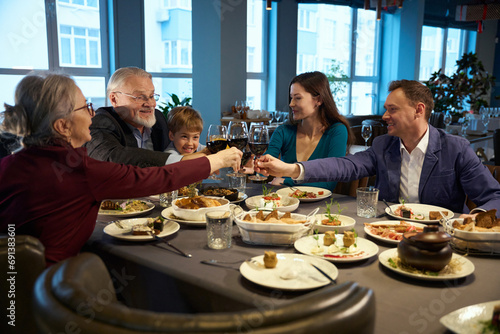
pixel 51 189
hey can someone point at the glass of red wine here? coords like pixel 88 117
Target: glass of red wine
pixel 258 140
pixel 238 137
pixel 216 141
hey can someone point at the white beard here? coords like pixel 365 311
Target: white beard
pixel 147 122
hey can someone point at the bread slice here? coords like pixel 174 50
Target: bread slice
pixel 486 219
pixel 435 215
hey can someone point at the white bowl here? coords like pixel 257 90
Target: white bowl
pixel 271 234
pixel 289 204
pixel 347 224
pixel 199 214
pixel 488 242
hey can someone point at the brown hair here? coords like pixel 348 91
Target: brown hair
pixel 184 116
pixel 316 84
pixel 415 92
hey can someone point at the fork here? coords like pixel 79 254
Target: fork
pixel 390 209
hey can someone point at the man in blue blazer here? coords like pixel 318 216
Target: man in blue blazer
pixel 414 161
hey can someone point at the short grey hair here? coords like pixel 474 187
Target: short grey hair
pixel 122 74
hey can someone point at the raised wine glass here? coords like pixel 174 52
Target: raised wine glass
pixel 366 133
pixel 258 140
pixel 216 141
pixel 238 137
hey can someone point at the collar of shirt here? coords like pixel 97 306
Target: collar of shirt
pixel 422 144
pixel 143 139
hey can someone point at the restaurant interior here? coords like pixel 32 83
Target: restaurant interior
pixel 176 282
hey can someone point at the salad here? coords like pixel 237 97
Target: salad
pixel 305 194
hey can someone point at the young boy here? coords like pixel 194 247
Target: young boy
pixel 185 125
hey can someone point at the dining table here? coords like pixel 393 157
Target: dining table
pixel 151 275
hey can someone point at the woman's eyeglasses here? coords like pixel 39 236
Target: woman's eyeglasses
pixel 90 109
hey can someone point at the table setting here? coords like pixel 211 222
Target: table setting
pixel 235 272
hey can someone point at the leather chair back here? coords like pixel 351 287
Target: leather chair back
pixel 26 256
pixel 495 171
pixel 79 291
pixel 437 120
pixel 496 146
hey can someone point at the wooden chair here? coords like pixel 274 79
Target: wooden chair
pixel 495 171
pixel 349 188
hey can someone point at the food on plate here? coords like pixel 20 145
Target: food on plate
pixel 329 238
pixel 304 194
pixel 272 218
pixel 453 267
pixel 436 215
pixel 270 201
pixel 158 223
pixel 349 238
pixel 230 194
pixel 392 231
pixel 487 219
pixel 484 222
pixel 270 259
pixel 495 319
pixel 197 202
pixel 154 225
pixel 142 229
pixel 125 207
pixel 406 212
pixel 330 218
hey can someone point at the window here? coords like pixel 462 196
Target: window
pixel 441 48
pixel 256 51
pixel 76 44
pixel 344 41
pixel 168 38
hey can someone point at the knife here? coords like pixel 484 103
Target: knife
pixel 168 243
pixel 324 274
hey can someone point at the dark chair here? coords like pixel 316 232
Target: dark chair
pixel 496 146
pixel 79 291
pixel 495 171
pixel 437 120
pixel 28 263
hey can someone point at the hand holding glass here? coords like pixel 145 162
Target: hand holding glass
pixel 258 141
pixel 216 141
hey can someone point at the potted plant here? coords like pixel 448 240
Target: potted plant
pixel 464 89
pixel 176 102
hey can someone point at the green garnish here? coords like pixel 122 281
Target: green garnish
pixel 316 236
pixel 266 191
pixel 333 217
pixel 392 263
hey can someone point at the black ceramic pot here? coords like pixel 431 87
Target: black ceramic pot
pixel 427 250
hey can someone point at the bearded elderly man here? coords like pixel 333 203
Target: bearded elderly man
pixel 414 160
pixel 132 131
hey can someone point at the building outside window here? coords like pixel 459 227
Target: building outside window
pixel 168 38
pixel 341 40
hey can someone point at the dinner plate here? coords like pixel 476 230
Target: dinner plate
pixel 168 213
pixel 365 249
pixel 306 277
pixel 469 319
pixel 419 208
pixel 291 203
pixel 116 213
pixel 390 223
pixel 284 192
pixel 467 267
pixel 126 234
pixel 346 224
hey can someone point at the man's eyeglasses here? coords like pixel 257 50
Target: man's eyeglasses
pixel 90 109
pixel 142 98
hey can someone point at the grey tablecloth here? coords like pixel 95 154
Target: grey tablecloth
pixel 150 275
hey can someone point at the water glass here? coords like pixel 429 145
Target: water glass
pixel 166 199
pixel 219 229
pixel 237 181
pixel 367 201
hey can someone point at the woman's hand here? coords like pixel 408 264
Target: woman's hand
pixel 225 158
pixel 269 165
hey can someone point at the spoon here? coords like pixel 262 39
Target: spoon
pixel 392 212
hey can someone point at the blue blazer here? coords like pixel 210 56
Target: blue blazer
pixel 451 170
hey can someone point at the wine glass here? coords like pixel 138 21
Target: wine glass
pixel 447 119
pixel 216 141
pixel 465 125
pixel 238 137
pixel 258 140
pixel 366 133
pixel 485 118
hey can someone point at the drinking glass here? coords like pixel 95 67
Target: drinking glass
pixel 366 133
pixel 216 141
pixel 238 137
pixel 485 118
pixel 258 140
pixel 465 125
pixel 219 229
pixel 447 119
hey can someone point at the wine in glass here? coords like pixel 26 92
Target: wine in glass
pixel 238 137
pixel 366 133
pixel 216 141
pixel 258 140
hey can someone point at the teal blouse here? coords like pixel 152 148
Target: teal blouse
pixel 333 143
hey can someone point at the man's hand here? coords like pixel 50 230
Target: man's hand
pixel 225 158
pixel 269 165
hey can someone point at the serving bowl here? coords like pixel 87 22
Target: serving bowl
pixel 232 194
pixel 472 241
pixel 288 204
pixel 346 224
pixel 273 234
pixel 199 214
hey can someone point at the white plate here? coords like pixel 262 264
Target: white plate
pixel 241 197
pixel 419 208
pixel 126 234
pixel 168 213
pixel 116 213
pixel 284 192
pixel 366 249
pixel 307 276
pixel 289 204
pixel 346 224
pixel 466 270
pixel 468 319
pixel 391 223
